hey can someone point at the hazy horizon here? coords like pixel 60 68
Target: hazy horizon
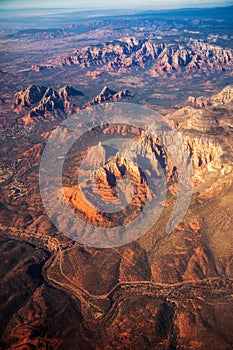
pixel 113 4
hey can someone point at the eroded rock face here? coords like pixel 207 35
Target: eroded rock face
pixel 211 174
pixel 205 133
pixel 44 100
pixel 26 98
pixel 96 158
pixel 194 119
pixel 132 53
pixel 48 103
pixel 103 186
pixel 68 91
pixel 109 95
pixel 121 176
pixel 222 98
pixel 198 102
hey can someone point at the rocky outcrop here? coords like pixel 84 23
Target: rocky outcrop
pixel 101 54
pixel 68 91
pixel 222 98
pixel 194 119
pixel 95 74
pixel 206 155
pixel 29 96
pixel 205 133
pixel 33 94
pixel 49 102
pixel 192 56
pixel 119 181
pixel 38 69
pixel 109 95
pixel 107 182
pixel 96 157
pixel 199 102
pixel 42 100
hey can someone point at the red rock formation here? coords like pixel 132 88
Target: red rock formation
pixel 109 95
pixel 131 53
pixel 43 101
pixel 28 97
pixel 104 185
pixel 199 102
pixel 68 91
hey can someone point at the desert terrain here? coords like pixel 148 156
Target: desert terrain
pixel 167 289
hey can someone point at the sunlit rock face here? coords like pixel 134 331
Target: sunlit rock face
pixel 222 98
pixel 131 53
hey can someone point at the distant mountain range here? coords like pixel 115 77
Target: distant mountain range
pixel 157 58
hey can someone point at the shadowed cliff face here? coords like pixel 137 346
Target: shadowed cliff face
pixel 38 105
pixel 44 104
pixel 109 95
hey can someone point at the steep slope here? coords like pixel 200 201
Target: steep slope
pixel 43 101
